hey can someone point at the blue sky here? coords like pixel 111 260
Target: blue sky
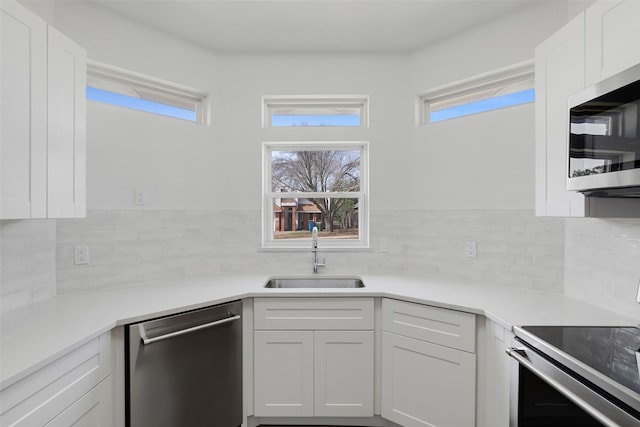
pixel 281 120
pixel 496 103
pixel 112 98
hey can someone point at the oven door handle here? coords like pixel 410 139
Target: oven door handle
pixel 519 354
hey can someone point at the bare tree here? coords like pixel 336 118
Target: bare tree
pixel 318 171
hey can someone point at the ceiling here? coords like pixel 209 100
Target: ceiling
pixel 313 25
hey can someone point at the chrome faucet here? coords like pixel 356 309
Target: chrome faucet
pixel 314 249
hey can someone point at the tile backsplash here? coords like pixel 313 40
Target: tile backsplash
pixel 602 262
pixel 134 246
pixel 593 260
pixel 27 262
pixel 514 248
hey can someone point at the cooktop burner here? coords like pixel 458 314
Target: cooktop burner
pixel 612 351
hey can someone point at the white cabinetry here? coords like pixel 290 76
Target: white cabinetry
pixel 75 389
pixel 67 121
pixel 43 119
pixel 611 38
pixel 497 374
pixel 283 373
pixel 559 74
pixel 595 45
pixel 313 357
pixel 428 365
pixel 23 110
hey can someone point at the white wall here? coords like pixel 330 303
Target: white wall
pixel 249 77
pixel 176 162
pixel 484 161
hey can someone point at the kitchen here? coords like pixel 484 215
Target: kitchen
pixel 202 212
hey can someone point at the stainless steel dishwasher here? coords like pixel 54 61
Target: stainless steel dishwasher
pixel 186 369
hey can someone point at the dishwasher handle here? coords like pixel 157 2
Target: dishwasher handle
pixel 147 340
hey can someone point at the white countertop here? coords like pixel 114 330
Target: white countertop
pixel 33 336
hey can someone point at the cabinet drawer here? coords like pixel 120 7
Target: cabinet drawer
pixel 40 397
pixel 313 313
pixel 450 328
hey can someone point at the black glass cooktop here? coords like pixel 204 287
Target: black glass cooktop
pixel 612 351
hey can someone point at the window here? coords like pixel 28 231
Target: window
pixel 122 88
pixel 506 87
pixel 315 111
pixel 315 184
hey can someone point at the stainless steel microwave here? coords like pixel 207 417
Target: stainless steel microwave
pixel 604 137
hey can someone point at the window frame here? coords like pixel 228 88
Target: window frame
pixel 273 102
pixel 268 195
pixel 522 72
pixel 121 81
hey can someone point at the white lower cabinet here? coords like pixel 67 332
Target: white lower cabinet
pixel 343 373
pixel 91 410
pixel 497 373
pixel 303 370
pixel 75 389
pixel 428 366
pixel 283 373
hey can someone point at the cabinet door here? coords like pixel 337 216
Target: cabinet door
pixel 559 74
pixel 23 102
pixel 45 394
pixel 343 373
pixel 67 81
pixel 497 367
pixel 425 384
pixel 611 38
pixel 283 373
pixel 94 409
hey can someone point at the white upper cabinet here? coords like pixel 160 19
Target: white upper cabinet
pixel 611 38
pixel 42 117
pixel 67 83
pixel 23 111
pixel 559 74
pixel 597 44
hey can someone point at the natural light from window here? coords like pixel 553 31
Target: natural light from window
pixel 315 111
pixel 132 90
pixel 494 103
pixel 502 88
pixel 315 184
pixel 112 98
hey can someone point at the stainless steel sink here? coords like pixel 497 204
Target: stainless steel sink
pixel 314 282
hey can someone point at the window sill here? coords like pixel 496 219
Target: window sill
pixel 321 249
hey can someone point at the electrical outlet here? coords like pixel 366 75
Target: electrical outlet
pixel 82 255
pixel 140 197
pixel 470 249
pixel 384 245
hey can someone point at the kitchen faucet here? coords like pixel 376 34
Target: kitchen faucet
pixel 314 249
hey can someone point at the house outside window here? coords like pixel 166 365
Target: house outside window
pixel 311 184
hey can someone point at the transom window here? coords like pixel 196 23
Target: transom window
pixel 315 111
pixel 502 88
pixel 127 89
pixel 315 184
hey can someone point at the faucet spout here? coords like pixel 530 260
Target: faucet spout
pixel 314 250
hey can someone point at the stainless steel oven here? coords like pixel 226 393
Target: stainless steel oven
pixel 575 376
